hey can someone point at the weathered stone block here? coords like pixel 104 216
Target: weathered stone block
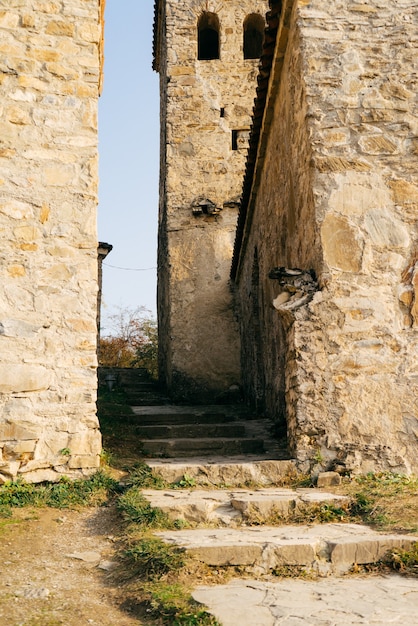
pixel 342 249
pixel 23 378
pixel 328 479
pixel 89 462
pixel 224 555
pixel 350 552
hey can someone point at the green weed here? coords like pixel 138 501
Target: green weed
pixel 201 618
pixel 290 571
pixel 172 603
pixel 186 482
pixel 376 499
pixel 5 511
pixel 141 476
pixel 136 509
pixel 64 494
pixel 153 558
pixel 105 458
pixel 403 561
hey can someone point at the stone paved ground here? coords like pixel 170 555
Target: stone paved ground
pixel 375 600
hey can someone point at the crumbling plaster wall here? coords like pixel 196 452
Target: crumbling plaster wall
pixel 199 339
pixel 49 79
pixel 338 194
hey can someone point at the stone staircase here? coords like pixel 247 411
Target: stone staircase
pixel 168 431
pixel 233 528
pixel 140 388
pixel 234 505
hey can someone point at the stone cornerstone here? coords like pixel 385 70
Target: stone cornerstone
pixel 49 81
pixel 331 347
pixel 207 57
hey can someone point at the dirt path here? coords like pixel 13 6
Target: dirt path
pixel 55 569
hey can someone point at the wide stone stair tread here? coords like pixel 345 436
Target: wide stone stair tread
pixel 140 387
pixel 147 399
pixel 231 507
pixel 202 446
pixel 167 419
pixel 182 431
pixel 229 471
pixel 323 548
pixel 233 411
pixel 133 373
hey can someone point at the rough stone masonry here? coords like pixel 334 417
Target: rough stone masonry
pixel 206 102
pixel 49 83
pixel 334 192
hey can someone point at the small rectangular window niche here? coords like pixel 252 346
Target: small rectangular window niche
pixel 240 138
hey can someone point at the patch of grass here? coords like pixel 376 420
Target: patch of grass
pixel 385 500
pixel 64 494
pixel 322 513
pixel 171 604
pixel 136 509
pixel 201 618
pixel 141 475
pixel 187 482
pixel 105 458
pixel 167 602
pixel 403 561
pixel 152 558
pixel 291 571
pixel 174 604
pixel 5 511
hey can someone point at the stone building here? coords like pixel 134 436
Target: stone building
pixel 330 349
pixel 49 82
pixel 207 54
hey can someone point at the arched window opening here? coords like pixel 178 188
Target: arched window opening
pixel 208 37
pixel 253 36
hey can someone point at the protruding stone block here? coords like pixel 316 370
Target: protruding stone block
pixel 328 479
pixel 23 378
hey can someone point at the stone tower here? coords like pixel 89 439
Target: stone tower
pixel 49 82
pixel 207 54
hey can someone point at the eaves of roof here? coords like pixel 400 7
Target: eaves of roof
pixel 275 41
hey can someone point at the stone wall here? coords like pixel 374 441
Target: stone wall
pixel 202 163
pixel 335 194
pixel 49 77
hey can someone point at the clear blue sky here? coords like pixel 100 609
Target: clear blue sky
pixel 129 157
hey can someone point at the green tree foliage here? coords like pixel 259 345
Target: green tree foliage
pixel 132 341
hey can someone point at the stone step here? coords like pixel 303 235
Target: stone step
pixel 235 507
pixel 202 446
pixel 231 412
pixel 231 472
pixel 126 376
pixel 147 399
pixel 190 431
pixel 322 549
pixel 183 418
pixel 378 600
pixel 132 373
pixel 140 387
